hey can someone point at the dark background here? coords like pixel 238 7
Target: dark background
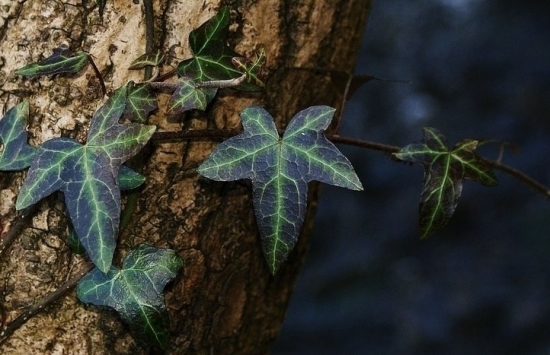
pixel 478 69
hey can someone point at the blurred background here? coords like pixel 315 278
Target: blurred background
pixel 478 69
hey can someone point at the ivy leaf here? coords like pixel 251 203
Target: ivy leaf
pixel 136 291
pixel 280 169
pixel 256 72
pixel 61 61
pixel 88 176
pixel 444 174
pixel 15 152
pixel 129 179
pixel 74 243
pixel 140 102
pixel 188 96
pixel 148 59
pixel 212 59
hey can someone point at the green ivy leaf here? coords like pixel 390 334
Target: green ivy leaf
pixel 148 59
pixel 256 72
pixel 280 169
pixel 87 175
pixel 61 61
pixel 136 291
pixel 129 179
pixel 188 96
pixel 444 174
pixel 15 152
pixel 212 59
pixel 140 102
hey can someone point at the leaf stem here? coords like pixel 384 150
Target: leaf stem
pixel 148 13
pixel 518 175
pixel 98 74
pixel 389 149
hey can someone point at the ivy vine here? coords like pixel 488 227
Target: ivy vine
pixel 280 165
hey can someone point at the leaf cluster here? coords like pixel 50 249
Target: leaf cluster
pixel 91 175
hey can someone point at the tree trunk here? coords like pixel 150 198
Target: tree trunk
pixel 225 301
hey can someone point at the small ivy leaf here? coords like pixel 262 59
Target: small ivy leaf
pixel 136 291
pixel 129 179
pixel 280 169
pixel 188 96
pixel 140 102
pixel 444 174
pixel 15 152
pixel 148 59
pixel 212 59
pixel 88 176
pixel 61 61
pixel 256 72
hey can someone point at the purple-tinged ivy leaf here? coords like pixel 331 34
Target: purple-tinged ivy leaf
pixel 88 176
pixel 280 169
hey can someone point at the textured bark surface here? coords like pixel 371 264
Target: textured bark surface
pixel 225 301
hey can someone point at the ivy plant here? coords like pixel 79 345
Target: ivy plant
pixel 444 173
pixel 16 153
pixel 135 291
pixel 91 175
pixel 280 169
pixel 88 176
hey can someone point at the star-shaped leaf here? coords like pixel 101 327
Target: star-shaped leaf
pixel 61 61
pixel 136 291
pixel 280 169
pixel 188 96
pixel 15 152
pixel 88 176
pixel 140 102
pixel 444 174
pixel 212 58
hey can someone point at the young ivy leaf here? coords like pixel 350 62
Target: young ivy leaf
pixel 15 152
pixel 140 102
pixel 280 169
pixel 61 61
pixel 212 58
pixel 88 176
pixel 444 174
pixel 256 72
pixel 129 179
pixel 188 96
pixel 147 59
pixel 136 291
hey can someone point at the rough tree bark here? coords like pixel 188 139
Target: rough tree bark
pixel 225 301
